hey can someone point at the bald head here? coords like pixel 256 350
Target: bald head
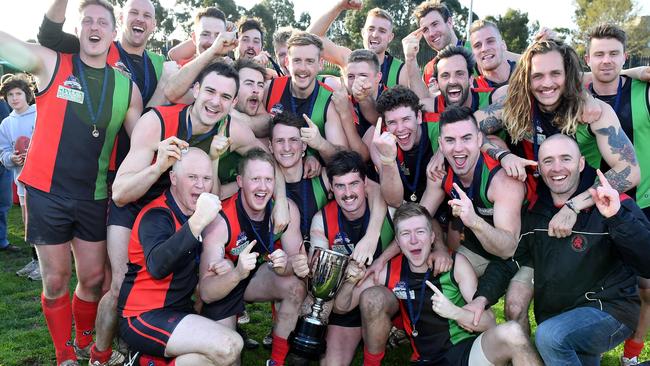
pixel 194 156
pixel 559 144
pixel 190 176
pixel 141 4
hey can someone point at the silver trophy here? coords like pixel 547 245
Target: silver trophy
pixel 327 271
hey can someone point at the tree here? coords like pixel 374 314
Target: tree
pixel 282 11
pixel 262 12
pixel 513 26
pixel 623 13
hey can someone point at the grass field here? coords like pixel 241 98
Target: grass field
pixel 24 339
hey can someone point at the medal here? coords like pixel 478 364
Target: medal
pixel 414 198
pixel 413 316
pixel 414 333
pixel 94 116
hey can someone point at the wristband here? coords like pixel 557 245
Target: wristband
pixel 503 155
pixel 386 161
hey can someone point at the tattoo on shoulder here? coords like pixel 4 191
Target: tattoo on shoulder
pixel 618 180
pixel 619 143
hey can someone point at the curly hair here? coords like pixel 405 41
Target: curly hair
pixel 398 96
pixel 519 101
pixel 21 81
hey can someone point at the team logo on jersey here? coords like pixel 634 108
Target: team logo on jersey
pixel 404 168
pixel 578 243
pixel 72 82
pixel 277 109
pixel 71 90
pixel 400 291
pixel 240 244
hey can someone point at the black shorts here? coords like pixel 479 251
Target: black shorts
pixel 52 219
pixel 456 355
pixel 149 332
pixel 232 304
pixel 123 216
pixel 351 319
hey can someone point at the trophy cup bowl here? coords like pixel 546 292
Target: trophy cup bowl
pixel 327 271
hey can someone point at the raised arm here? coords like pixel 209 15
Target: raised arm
pixel 411 46
pixel 321 24
pixel 51 35
pixel 29 57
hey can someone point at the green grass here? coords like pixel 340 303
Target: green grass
pixel 24 339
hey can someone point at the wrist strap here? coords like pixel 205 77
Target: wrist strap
pixel 572 206
pixel 503 155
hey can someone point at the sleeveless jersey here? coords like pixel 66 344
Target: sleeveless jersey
pixel 436 334
pixel 141 292
pixel 485 169
pixel 344 242
pixel 390 70
pixel 65 158
pixel 310 196
pixel 280 100
pixel 480 81
pixel 241 232
pixel 139 73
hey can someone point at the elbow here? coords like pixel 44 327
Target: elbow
pixel 118 197
pixel 635 175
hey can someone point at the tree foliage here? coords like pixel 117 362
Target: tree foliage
pixel 513 26
pixel 623 13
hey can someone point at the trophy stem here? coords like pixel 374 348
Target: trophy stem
pixel 317 308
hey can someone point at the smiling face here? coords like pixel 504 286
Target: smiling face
pixel 250 44
pixel 460 143
pixel 560 164
pixel 304 65
pixel 454 80
pixel 488 48
pixel 213 98
pixel 436 31
pixel 286 146
pixel 377 33
pixel 251 90
pixel 414 237
pixel 606 58
pixel 96 31
pixel 256 184
pixel 404 123
pixel 547 79
pixel 206 32
pixel 138 22
pixel 350 194
pixel 189 178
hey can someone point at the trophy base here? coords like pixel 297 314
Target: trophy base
pixel 308 339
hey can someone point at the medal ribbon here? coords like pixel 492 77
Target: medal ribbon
pixel 87 99
pixel 414 317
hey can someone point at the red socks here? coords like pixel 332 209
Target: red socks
pixel 372 359
pixel 632 348
pixel 84 313
pixel 279 350
pixel 101 356
pixel 58 316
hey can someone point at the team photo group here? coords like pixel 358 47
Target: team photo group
pixel 369 200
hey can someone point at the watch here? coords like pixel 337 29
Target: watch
pixel 572 206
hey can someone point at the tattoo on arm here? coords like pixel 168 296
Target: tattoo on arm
pixel 492 123
pixel 618 180
pixel 619 143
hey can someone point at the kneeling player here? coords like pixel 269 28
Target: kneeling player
pixel 155 301
pixel 430 313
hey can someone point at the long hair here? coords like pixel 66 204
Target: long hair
pixel 518 106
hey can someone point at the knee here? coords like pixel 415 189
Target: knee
pixel 547 339
pixel 295 290
pixel 227 351
pixel 373 301
pixel 511 334
pixel 55 283
pixel 91 279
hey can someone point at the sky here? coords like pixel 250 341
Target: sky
pixel 23 17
